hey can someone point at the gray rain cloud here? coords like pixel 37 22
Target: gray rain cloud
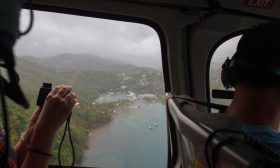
pixel 54 34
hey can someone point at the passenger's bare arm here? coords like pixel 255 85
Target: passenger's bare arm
pixel 57 108
pixel 22 144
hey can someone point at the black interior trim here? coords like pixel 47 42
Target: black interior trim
pixel 188 63
pixel 161 4
pixel 219 107
pixel 222 94
pixel 172 138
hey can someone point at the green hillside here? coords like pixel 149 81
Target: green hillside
pixel 90 77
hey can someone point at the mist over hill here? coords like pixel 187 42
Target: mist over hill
pixel 91 75
pixel 84 62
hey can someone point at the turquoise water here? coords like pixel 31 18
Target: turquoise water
pixel 136 138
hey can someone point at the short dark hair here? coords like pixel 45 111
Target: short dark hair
pixel 257 56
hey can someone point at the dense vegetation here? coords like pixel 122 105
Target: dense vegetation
pixel 90 76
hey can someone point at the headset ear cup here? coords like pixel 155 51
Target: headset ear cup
pixel 227 74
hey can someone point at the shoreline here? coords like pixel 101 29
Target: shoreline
pixel 94 127
pixel 116 137
pixel 111 115
pixel 130 106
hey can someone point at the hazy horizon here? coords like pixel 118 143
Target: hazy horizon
pixel 88 54
pixel 54 34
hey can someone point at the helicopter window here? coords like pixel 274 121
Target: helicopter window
pixel 115 70
pixel 226 49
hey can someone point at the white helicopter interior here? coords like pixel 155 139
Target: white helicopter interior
pixel 189 32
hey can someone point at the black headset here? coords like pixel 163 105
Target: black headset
pixel 254 70
pixel 228 73
pixel 231 66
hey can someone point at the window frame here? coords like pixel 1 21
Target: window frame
pixel 131 19
pixel 210 56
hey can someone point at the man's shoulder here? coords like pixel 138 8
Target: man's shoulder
pixel 265 134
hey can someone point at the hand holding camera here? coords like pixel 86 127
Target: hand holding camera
pixel 56 106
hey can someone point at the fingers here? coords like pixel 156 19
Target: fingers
pixel 57 108
pixel 63 93
pixel 61 90
pixel 71 98
pixel 73 95
pixel 55 90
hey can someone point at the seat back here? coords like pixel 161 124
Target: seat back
pixel 194 128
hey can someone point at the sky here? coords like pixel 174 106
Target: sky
pixel 54 34
pixel 226 49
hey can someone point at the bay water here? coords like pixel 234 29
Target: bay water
pixel 135 138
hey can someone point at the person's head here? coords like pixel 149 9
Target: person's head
pixel 256 63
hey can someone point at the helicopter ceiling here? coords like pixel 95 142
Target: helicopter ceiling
pixel 267 8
